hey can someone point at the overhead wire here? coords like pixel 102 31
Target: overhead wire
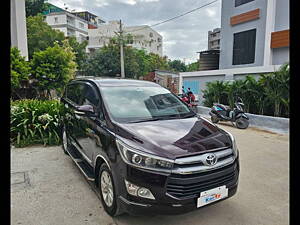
pixel 173 18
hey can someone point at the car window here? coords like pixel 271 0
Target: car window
pixel 90 96
pixel 75 93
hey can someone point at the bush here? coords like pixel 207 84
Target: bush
pixel 269 95
pixel 35 122
pixel 19 69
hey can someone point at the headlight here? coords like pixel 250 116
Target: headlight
pixel 234 147
pixel 139 159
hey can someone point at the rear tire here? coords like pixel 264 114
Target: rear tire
pixel 214 119
pixel 242 123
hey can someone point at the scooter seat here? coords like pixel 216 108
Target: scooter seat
pixel 225 107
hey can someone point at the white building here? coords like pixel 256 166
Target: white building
pixel 74 24
pixel 18 31
pixel 144 37
pixel 214 37
pixel 69 24
pixel 254 40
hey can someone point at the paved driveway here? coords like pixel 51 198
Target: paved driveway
pixel 47 188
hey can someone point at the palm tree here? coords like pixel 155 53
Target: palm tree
pixel 276 87
pixel 235 89
pixel 215 93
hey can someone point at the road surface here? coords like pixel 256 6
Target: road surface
pixel 47 188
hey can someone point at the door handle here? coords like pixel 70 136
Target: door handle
pixel 78 112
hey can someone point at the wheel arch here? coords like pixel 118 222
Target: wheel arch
pixel 99 160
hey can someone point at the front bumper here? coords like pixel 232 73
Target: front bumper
pixel 135 208
pixel 168 201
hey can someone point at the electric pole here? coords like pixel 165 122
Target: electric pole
pixel 121 51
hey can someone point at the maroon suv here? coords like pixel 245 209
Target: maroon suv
pixel 145 149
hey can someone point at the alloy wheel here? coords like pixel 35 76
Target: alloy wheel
pixel 107 188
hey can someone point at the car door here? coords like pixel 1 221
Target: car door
pixel 97 135
pixel 88 124
pixel 72 98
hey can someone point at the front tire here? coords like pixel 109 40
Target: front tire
pixel 107 191
pixel 242 123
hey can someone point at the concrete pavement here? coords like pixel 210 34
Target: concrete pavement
pixel 48 188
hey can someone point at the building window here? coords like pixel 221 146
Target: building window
pixel 241 2
pixel 81 25
pixel 55 19
pixel 244 47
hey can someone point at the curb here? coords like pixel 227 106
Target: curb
pixel 269 123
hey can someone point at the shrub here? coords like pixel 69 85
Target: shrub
pixel 19 69
pixel 53 67
pixel 35 122
pixel 269 95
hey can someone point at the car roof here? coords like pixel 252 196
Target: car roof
pixel 117 82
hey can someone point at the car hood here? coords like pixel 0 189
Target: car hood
pixel 174 138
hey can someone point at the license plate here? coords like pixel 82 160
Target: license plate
pixel 212 195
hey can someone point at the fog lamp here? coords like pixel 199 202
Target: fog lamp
pixel 135 190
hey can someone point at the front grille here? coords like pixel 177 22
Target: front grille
pixel 190 185
pixel 197 163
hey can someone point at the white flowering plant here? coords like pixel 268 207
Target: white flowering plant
pixel 36 122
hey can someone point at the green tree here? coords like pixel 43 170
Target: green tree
pixel 157 62
pixel 40 35
pixel 106 62
pixel 19 69
pixel 192 67
pixel 79 50
pixel 53 67
pixel 177 65
pixel 34 7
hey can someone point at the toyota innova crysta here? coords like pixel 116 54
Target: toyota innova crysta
pixel 145 149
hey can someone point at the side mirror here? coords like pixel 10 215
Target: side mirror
pixel 86 110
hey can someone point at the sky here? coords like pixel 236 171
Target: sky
pixel 182 37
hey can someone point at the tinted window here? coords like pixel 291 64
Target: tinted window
pixel 75 93
pixel 244 47
pixel 241 2
pixel 90 96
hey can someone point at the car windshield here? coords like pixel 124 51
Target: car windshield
pixel 139 104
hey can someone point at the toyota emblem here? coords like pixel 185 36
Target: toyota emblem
pixel 211 159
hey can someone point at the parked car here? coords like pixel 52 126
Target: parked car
pixel 146 150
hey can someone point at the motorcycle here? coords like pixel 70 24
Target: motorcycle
pixel 189 100
pixel 221 112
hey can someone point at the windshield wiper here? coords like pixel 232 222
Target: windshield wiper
pixel 189 115
pixel 144 120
